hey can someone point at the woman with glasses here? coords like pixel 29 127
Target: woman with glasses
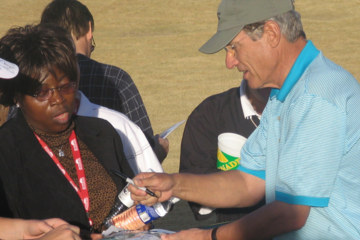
pixel 52 162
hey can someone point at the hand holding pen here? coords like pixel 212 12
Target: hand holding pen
pixel 130 181
pixel 163 184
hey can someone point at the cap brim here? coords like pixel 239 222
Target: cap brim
pixel 220 40
pixel 8 70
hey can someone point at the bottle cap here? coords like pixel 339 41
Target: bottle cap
pixel 160 209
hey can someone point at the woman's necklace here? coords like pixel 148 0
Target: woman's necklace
pixel 61 152
pixel 60 148
pixel 57 142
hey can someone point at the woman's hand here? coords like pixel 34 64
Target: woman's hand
pixel 96 236
pixel 53 228
pixel 147 227
pixel 65 231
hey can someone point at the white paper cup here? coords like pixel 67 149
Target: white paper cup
pixel 229 147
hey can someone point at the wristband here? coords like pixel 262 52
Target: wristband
pixel 213 233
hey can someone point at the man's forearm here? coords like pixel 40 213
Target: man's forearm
pixel 267 222
pixel 220 190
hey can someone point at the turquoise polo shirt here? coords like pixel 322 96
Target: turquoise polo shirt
pixel 307 147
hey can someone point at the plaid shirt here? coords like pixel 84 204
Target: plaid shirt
pixel 112 87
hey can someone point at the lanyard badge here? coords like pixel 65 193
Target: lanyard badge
pixel 81 189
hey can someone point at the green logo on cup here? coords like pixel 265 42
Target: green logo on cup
pixel 226 162
pixel 229 147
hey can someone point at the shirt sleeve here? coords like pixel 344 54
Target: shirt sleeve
pixel 253 153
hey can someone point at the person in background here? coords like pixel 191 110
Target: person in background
pixel 303 157
pixel 237 110
pixel 137 149
pixel 52 162
pixel 103 84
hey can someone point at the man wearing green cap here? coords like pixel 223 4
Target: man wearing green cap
pixel 304 155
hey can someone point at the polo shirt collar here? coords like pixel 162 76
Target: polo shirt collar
pixel 307 55
pixel 246 105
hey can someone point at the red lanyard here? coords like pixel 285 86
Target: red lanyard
pixel 83 190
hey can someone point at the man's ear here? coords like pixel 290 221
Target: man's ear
pixel 272 32
pixel 89 34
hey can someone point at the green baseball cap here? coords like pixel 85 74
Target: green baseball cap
pixel 233 15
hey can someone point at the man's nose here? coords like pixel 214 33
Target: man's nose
pixel 230 60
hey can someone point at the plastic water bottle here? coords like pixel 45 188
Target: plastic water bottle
pixel 122 203
pixel 140 215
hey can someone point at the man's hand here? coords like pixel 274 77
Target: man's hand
pixel 164 142
pixel 160 183
pixel 161 147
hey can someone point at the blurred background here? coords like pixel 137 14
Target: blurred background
pixel 157 43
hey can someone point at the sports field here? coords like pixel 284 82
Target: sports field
pixel 157 43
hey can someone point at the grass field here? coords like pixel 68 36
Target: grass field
pixel 157 43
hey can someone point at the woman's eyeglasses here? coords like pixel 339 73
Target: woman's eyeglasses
pixel 46 93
